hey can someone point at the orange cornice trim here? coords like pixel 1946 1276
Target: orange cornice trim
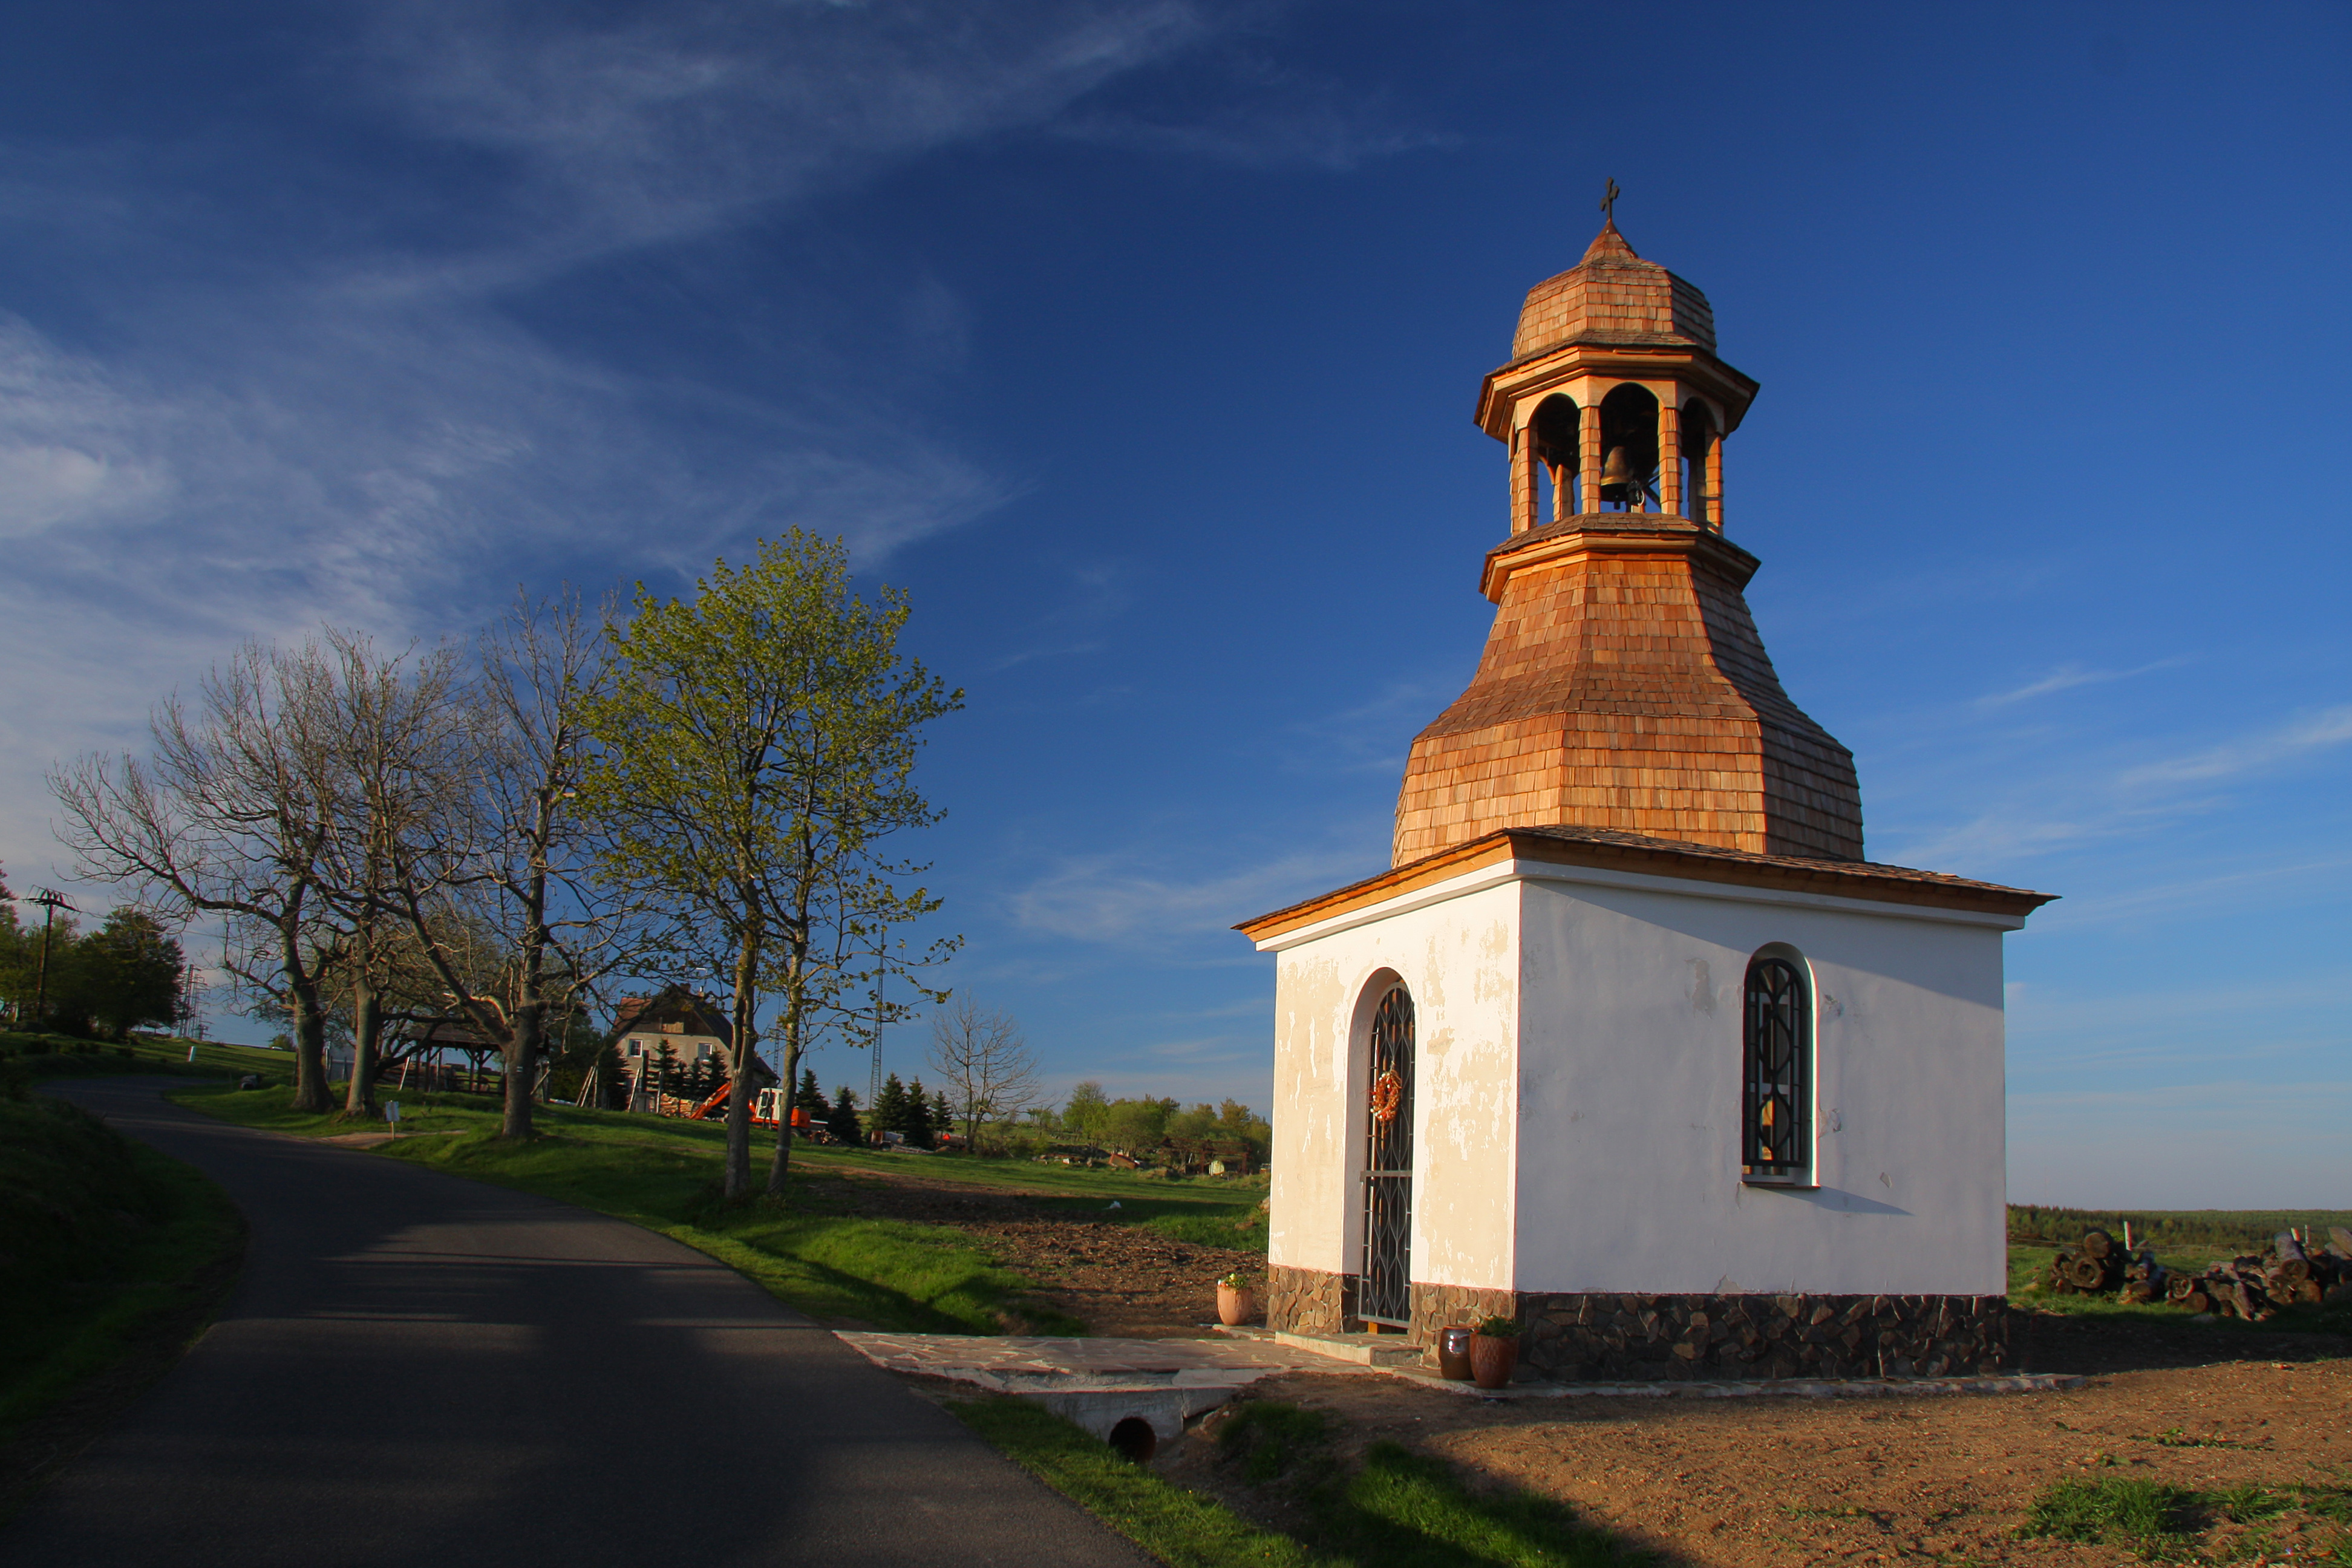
pixel 1633 362
pixel 1658 857
pixel 1603 533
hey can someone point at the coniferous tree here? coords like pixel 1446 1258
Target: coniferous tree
pixel 843 1123
pixel 810 1097
pixel 918 1116
pixel 942 1116
pixel 890 1112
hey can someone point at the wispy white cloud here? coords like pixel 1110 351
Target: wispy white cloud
pixel 1109 898
pixel 2258 753
pixel 2272 884
pixel 629 128
pixel 349 426
pixel 2067 677
pixel 2062 811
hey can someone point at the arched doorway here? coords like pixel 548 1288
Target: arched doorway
pixel 1385 1295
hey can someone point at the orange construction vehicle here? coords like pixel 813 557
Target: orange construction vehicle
pixel 764 1107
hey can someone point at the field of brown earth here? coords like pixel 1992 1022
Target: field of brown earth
pixel 1119 1278
pixel 1774 1482
pixel 1946 1478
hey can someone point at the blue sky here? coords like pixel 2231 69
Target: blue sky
pixel 1138 342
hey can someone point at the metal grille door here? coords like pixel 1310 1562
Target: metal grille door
pixel 1386 1294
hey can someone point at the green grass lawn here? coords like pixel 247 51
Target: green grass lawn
pixel 2160 1521
pixel 1388 1508
pixel 114 1256
pixel 47 1056
pixel 810 1251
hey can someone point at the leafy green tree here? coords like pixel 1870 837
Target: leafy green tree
pixel 1137 1127
pixel 128 971
pixel 759 751
pixel 843 1123
pixel 15 965
pixel 1086 1113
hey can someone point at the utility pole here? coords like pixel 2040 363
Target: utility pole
pixel 51 901
pixel 881 978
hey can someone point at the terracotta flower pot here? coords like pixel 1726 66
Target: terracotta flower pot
pixel 1492 1360
pixel 1236 1305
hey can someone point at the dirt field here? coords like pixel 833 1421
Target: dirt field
pixel 1119 1280
pixel 1769 1483
pixel 1943 1480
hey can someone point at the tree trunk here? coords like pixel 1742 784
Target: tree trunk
pixel 522 1060
pixel 743 1051
pixel 311 1092
pixel 367 1028
pixel 780 1166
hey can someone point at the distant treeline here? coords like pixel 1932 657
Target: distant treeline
pixel 2173 1231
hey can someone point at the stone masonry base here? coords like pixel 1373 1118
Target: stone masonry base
pixel 1589 1336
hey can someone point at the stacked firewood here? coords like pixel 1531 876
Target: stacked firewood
pixel 2099 1263
pixel 2296 1271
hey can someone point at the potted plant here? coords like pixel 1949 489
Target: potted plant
pixel 1494 1351
pixel 1236 1300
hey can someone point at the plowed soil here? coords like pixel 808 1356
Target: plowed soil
pixel 1771 1483
pixel 1949 1478
pixel 1119 1277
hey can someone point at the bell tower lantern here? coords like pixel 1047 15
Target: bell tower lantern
pixel 1624 685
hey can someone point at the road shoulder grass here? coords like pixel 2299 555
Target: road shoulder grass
pixel 845 1270
pixel 1387 1507
pixel 116 1257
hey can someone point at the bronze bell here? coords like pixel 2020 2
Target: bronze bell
pixel 1618 470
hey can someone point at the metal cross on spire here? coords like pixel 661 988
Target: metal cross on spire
pixel 1609 203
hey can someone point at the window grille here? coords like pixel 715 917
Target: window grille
pixel 1776 1065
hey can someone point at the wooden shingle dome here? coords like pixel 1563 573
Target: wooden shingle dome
pixel 1624 686
pixel 1613 296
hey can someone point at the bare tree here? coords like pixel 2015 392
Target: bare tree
pixel 231 817
pixel 498 848
pixel 398 731
pixel 992 1074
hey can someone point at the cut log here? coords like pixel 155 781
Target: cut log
pixel 2097 1243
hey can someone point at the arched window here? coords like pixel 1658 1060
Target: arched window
pixel 1776 1069
pixel 1629 446
pixel 1698 440
pixel 1554 431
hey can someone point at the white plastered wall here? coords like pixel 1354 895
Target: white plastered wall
pixel 1577 1094
pixel 1630 1102
pixel 1459 958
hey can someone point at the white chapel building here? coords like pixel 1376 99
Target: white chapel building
pixel 1632 1042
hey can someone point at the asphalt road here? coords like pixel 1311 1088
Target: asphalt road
pixel 422 1371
